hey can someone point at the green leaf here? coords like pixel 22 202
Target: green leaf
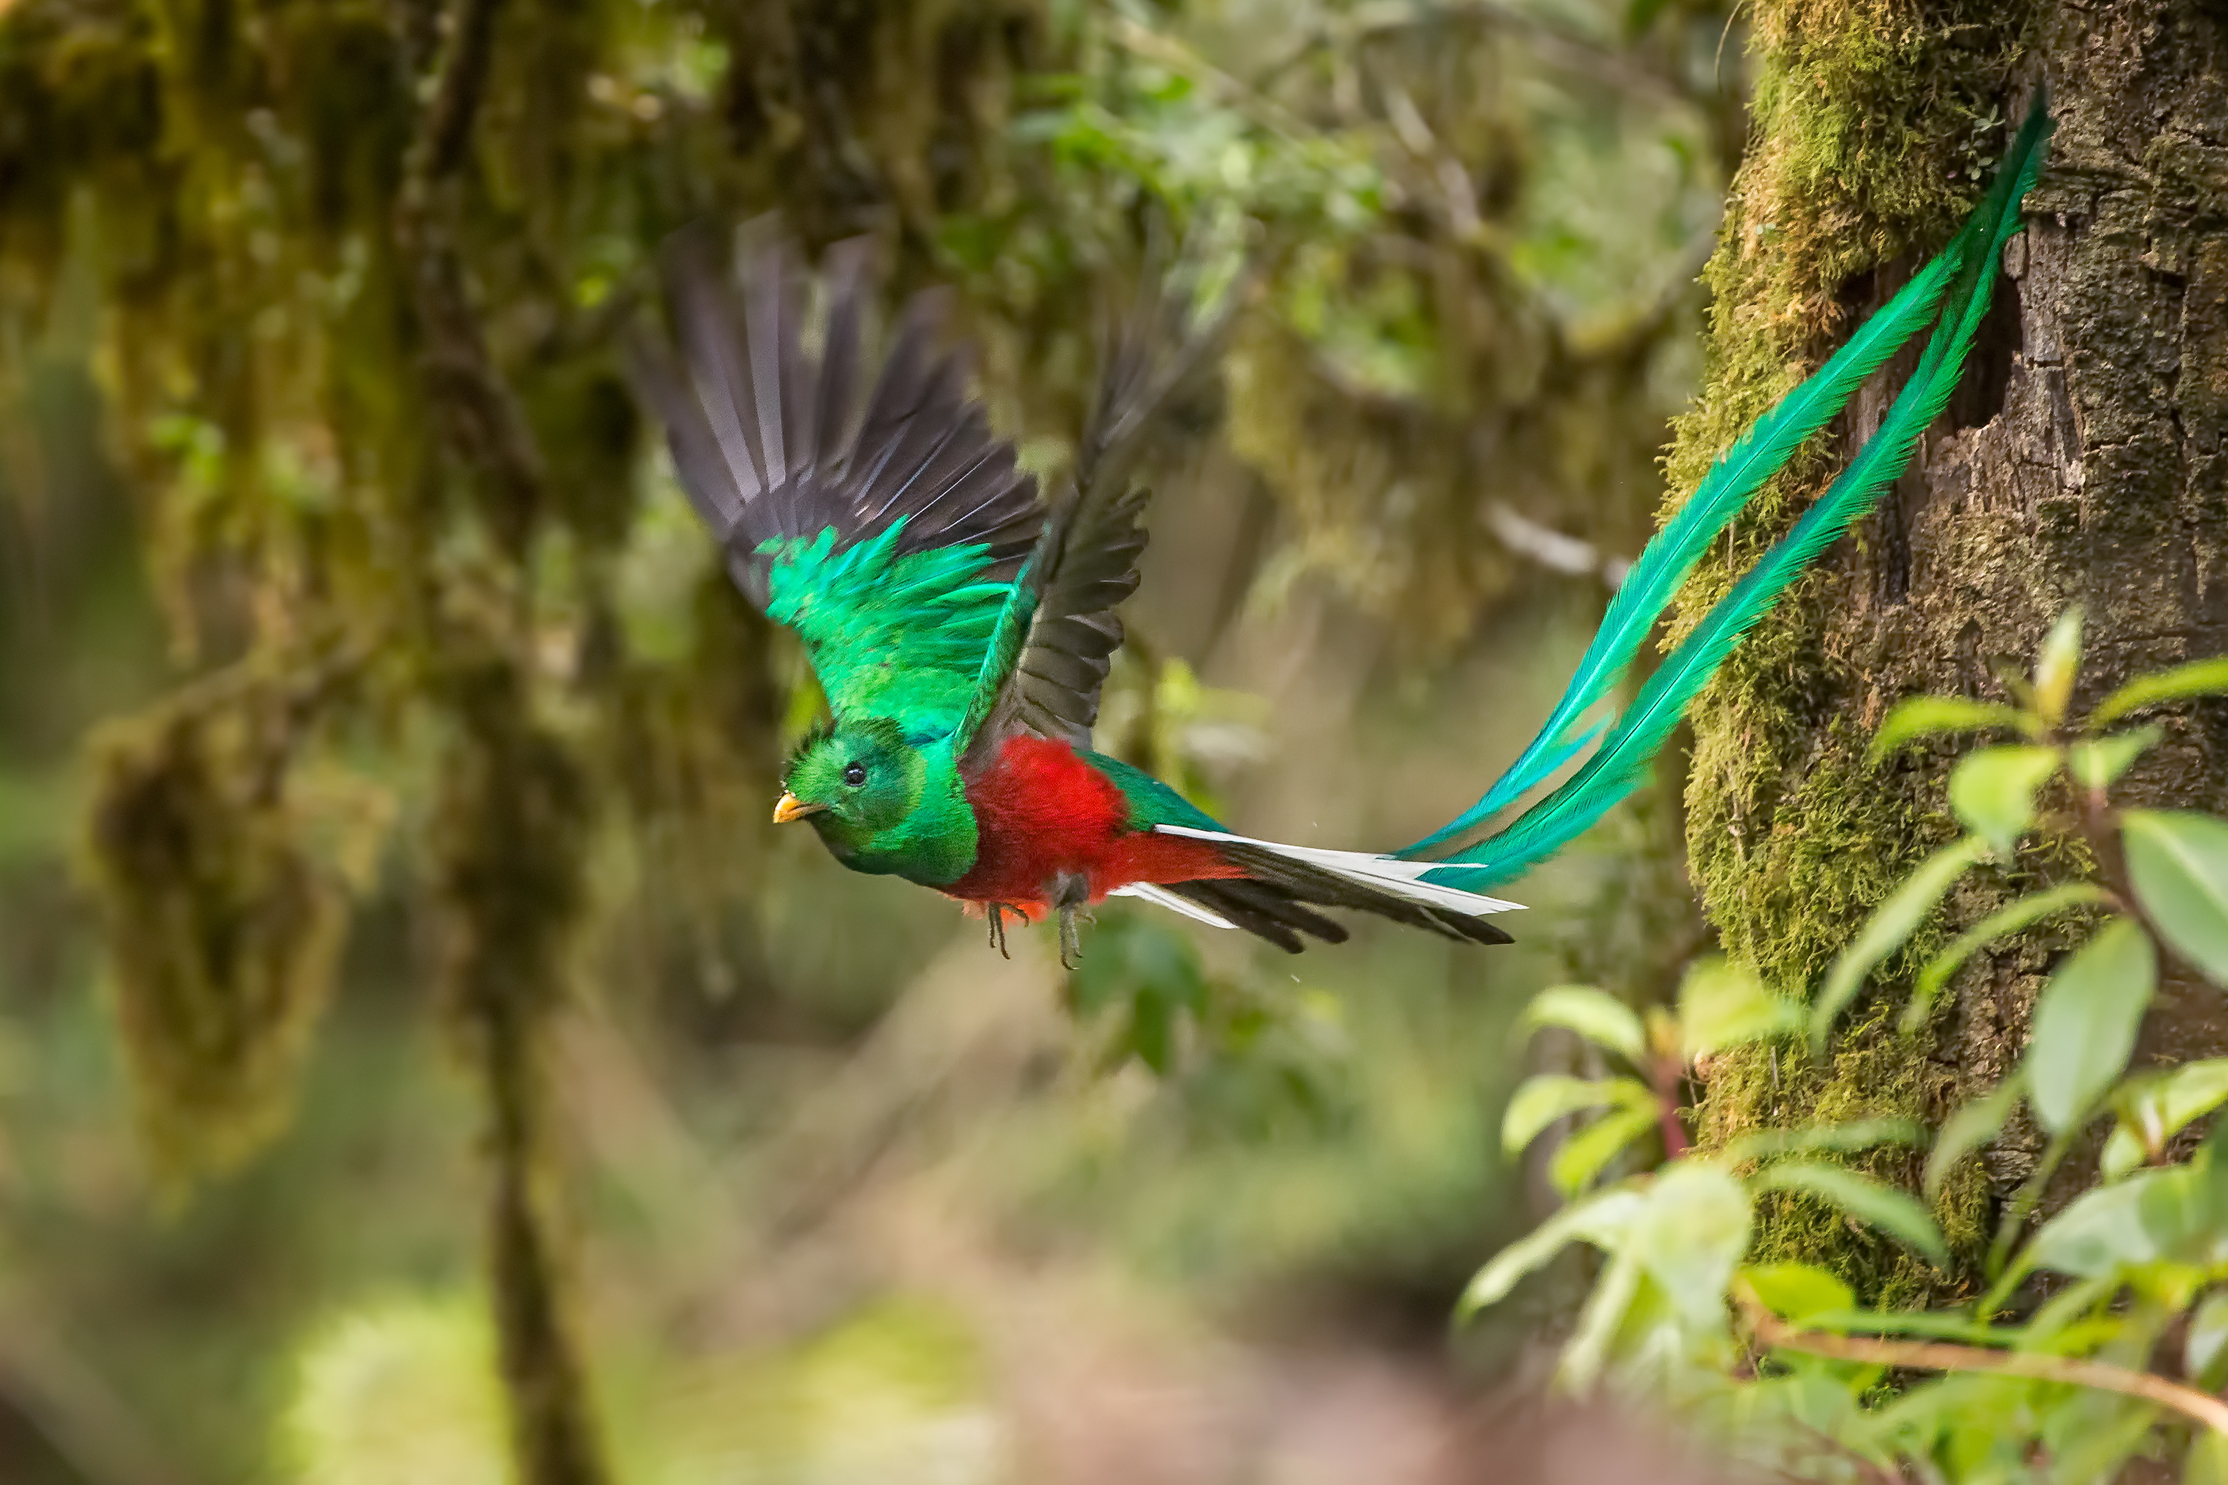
pixel 1892 1211
pixel 1583 1155
pixel 2208 1332
pixel 2185 1211
pixel 2123 1151
pixel 1974 1124
pixel 1599 1219
pixel 1796 1291
pixel 1931 716
pixel 2100 1232
pixel 2061 1320
pixel 2197 678
pixel 1152 1032
pixel 2186 1093
pixel 1597 1016
pixel 1153 973
pixel 1690 1237
pixel 2092 1444
pixel 1722 1004
pixel 2155 1110
pixel 1894 921
pixel 2085 1022
pixel 1952 1326
pixel 2206 1463
pixel 1540 1101
pixel 2178 1214
pixel 1864 1134
pixel 2056 664
pixel 2097 763
pixel 1588 1351
pixel 2010 918
pixel 2178 863
pixel 1993 790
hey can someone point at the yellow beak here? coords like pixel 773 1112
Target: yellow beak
pixel 789 807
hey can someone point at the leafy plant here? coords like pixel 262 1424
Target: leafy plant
pixel 2071 1386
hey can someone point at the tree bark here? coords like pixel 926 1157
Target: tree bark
pixel 2081 463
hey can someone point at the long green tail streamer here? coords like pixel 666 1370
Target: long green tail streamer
pixel 1962 279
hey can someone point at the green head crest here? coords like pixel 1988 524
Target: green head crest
pixel 881 801
pixel 852 779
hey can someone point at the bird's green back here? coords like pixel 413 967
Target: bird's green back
pixel 1150 801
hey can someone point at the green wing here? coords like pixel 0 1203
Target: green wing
pixel 886 529
pixel 891 634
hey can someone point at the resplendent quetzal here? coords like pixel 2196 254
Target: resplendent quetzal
pixel 961 629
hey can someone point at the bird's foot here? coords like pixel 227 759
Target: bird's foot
pixel 1070 893
pixel 996 913
pixel 1071 937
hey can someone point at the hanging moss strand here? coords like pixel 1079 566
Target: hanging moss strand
pixel 516 804
pixel 514 815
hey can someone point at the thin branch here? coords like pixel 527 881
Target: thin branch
pixel 2093 814
pixel 1948 1356
pixel 1155 46
pixel 1447 171
pixel 1576 53
pixel 445 128
pixel 1552 549
pixel 75 1409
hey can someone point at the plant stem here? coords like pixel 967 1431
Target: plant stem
pixel 1669 1072
pixel 1947 1356
pixel 2100 827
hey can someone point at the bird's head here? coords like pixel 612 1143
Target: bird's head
pixel 882 802
pixel 852 780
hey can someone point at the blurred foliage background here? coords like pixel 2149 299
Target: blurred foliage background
pixel 400 987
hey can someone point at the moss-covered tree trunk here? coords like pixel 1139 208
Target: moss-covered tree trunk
pixel 2081 463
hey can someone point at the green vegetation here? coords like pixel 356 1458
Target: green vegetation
pixel 1875 124
pixel 421 1061
pixel 2057 1358
pixel 391 934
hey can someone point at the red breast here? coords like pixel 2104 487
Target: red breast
pixel 1042 811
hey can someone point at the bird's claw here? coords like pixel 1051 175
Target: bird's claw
pixel 996 912
pixel 1071 895
pixel 1071 937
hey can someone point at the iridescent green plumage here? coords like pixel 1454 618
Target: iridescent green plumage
pixel 1961 281
pixel 961 631
pixel 891 635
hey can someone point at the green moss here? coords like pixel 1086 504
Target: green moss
pixel 1875 122
pixel 1870 1073
pixel 225 926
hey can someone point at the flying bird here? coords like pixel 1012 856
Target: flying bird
pixel 962 627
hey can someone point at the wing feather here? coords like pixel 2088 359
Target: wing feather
pixel 885 527
pixel 1056 640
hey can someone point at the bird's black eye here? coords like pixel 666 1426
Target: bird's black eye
pixel 855 775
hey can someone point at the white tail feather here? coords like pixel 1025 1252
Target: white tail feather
pixel 1386 873
pixel 1162 897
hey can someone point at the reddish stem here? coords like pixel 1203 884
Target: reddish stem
pixel 1668 1072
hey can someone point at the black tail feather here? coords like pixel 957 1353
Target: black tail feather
pixel 1277 899
pixel 1262 910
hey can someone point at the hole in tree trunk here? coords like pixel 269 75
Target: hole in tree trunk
pixel 1980 392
